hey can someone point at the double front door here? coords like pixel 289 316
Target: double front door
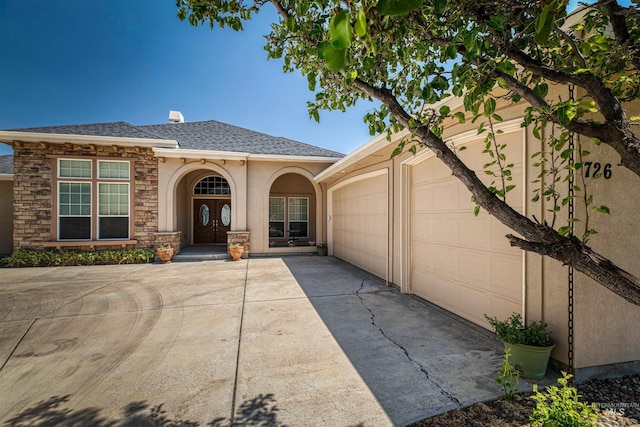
pixel 212 220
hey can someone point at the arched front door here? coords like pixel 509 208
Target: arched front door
pixel 211 211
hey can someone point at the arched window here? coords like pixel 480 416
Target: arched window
pixel 212 185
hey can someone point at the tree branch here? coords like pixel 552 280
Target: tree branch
pixel 282 11
pixel 579 256
pixel 572 43
pixel 616 131
pixel 540 238
pixel 619 25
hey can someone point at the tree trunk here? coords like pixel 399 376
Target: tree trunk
pixel 538 238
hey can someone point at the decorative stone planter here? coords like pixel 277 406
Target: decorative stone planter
pixel 165 254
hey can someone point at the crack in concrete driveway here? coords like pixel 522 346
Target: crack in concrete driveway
pixel 263 341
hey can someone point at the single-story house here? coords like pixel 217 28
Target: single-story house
pixel 405 219
pixel 111 185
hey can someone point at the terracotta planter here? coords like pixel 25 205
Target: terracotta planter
pixel 236 253
pixel 165 254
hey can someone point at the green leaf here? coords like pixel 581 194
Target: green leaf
pixel 445 110
pixel 336 59
pixel 398 7
pixel 440 82
pixel 361 24
pixel 566 153
pixel 507 67
pixel 470 42
pixel 566 113
pixel 396 152
pixel 545 22
pixel 439 6
pixel 311 80
pixel 476 210
pixel 541 89
pixel 489 107
pixel 340 30
pixel 497 22
pixel 460 116
pixel 291 23
pixel 322 49
pixel 563 231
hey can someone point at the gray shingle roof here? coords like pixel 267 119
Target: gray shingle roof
pixel 116 129
pixel 216 136
pixel 207 135
pixel 6 164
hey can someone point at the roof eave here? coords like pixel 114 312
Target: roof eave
pixel 236 155
pixel 287 158
pixel 6 177
pixel 377 144
pixel 360 153
pixel 177 153
pixel 61 138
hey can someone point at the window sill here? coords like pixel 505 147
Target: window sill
pixel 90 243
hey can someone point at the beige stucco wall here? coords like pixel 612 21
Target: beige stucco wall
pixel 604 324
pixel 250 182
pixel 261 177
pixel 6 216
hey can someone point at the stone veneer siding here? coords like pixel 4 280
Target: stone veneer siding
pixel 32 207
pixel 171 238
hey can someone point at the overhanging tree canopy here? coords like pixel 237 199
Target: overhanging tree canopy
pixel 411 54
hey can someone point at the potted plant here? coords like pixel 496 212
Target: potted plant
pixel 530 345
pixel 236 250
pixel 322 248
pixel 165 253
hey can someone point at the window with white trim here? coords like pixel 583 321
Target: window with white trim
pixel 93 206
pixel 212 185
pixel 276 217
pixel 299 216
pixel 289 217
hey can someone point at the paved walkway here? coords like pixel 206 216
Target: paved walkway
pixel 298 341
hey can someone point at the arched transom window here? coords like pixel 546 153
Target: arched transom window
pixel 212 185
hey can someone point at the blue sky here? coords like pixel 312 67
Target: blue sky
pixel 89 61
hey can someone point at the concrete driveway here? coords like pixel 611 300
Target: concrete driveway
pixel 291 341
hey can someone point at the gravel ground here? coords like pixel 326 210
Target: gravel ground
pixel 618 400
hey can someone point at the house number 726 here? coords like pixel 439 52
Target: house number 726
pixel 592 169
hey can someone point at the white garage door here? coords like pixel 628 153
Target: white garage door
pixel 360 223
pixel 461 262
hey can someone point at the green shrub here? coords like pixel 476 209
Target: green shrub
pixel 508 376
pixel 560 407
pixel 50 258
pixel 514 331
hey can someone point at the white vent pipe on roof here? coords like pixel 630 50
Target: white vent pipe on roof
pixel 175 117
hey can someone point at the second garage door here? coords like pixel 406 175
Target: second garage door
pixel 458 261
